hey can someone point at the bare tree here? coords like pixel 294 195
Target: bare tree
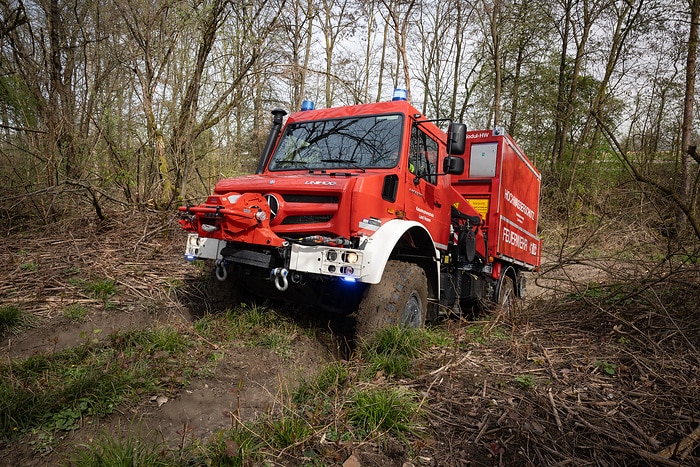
pixel 297 24
pixel 688 150
pixel 398 16
pixel 492 21
pixel 337 20
pixel 577 21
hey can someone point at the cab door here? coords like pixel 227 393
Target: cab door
pixel 424 193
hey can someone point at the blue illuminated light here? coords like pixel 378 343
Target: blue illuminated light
pixel 400 95
pixel 349 279
pixel 307 105
pixel 190 257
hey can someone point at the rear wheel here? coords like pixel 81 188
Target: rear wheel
pixel 401 298
pixel 506 296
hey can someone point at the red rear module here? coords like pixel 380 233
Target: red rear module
pixel 503 185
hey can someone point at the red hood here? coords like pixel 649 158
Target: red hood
pixel 283 182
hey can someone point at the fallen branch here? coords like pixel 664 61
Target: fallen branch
pixel 554 410
pixel 682 447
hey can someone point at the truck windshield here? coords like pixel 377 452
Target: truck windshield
pixel 352 143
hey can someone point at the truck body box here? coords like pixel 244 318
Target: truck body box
pixel 503 185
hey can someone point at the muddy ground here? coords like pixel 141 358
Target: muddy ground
pixel 571 379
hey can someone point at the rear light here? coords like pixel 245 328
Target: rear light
pixel 496 274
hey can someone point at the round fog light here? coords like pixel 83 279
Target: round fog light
pixel 351 258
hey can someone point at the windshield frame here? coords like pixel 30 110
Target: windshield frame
pixel 331 151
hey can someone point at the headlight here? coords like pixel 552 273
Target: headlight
pixel 332 255
pixel 351 258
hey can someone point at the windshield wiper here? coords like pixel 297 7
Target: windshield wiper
pixel 298 161
pixel 342 161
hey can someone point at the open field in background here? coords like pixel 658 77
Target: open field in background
pixel 114 347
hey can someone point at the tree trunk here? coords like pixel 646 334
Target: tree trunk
pixel 183 132
pixel 683 179
pixel 496 58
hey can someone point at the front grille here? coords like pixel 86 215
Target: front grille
pixel 317 199
pixel 293 220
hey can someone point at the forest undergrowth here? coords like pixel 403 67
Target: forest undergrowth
pixel 599 366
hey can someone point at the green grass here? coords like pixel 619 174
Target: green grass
pixel 13 320
pixel 151 340
pixel 287 431
pixel 130 449
pixel 329 381
pixel 58 391
pixel 235 447
pixel 608 368
pixel 384 409
pixel 47 394
pixel 30 266
pixel 607 295
pixel 525 381
pixel 392 351
pixel 96 288
pixel 483 333
pixel 75 312
pixel 252 325
pixel 237 322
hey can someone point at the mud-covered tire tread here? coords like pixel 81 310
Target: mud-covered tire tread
pixel 384 303
pixel 506 296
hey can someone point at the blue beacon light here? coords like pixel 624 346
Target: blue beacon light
pixel 399 95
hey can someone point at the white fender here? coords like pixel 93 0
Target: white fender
pixel 381 243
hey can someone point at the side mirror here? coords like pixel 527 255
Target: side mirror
pixel 456 139
pixel 453 165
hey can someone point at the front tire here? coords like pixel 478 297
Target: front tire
pixel 401 298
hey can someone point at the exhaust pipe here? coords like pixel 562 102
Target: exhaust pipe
pixel 277 116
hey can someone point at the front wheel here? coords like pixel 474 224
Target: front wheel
pixel 401 298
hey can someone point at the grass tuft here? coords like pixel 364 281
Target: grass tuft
pixel 13 320
pixel 329 381
pixel 392 350
pixel 287 431
pixel 235 447
pixel 384 409
pixel 97 288
pixel 128 450
pixel 75 312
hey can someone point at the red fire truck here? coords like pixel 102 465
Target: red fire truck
pixel 374 210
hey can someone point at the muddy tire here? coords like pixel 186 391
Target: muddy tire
pixel 506 296
pixel 400 298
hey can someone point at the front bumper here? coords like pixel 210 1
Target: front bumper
pixel 344 263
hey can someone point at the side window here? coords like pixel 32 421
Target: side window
pixel 423 155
